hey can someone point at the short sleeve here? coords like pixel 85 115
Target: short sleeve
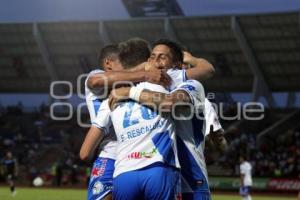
pixel 195 90
pixel 95 91
pixel 211 118
pixel 103 118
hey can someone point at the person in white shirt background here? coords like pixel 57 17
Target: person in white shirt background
pixel 246 178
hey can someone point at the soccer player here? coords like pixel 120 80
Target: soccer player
pixel 191 132
pixel 100 184
pixel 146 149
pixel 96 80
pixel 11 171
pixel 246 178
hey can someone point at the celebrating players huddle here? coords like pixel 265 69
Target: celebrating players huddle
pixel 150 117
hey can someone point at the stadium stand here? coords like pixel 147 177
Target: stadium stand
pixel 47 51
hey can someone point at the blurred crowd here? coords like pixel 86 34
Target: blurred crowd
pixel 42 147
pixel 276 156
pixel 48 148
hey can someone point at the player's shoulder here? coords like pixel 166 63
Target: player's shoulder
pixel 248 164
pixel 192 82
pixel 95 71
pixel 245 164
pixel 192 86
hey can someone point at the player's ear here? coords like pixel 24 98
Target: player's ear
pixel 107 64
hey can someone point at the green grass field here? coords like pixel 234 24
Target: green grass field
pixel 79 194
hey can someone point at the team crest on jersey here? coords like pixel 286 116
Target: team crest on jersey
pixel 98 188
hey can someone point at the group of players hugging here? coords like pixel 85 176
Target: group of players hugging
pixel 149 119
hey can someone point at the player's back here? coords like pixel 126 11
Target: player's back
pixel 145 137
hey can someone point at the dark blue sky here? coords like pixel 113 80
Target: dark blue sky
pixel 73 10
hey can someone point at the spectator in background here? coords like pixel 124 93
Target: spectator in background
pixel 246 178
pixel 11 171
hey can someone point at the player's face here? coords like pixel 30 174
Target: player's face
pixel 112 65
pixel 9 155
pixel 161 57
pixel 116 65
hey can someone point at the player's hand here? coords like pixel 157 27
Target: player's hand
pixel 117 95
pixel 159 77
pixel 217 137
pixel 187 57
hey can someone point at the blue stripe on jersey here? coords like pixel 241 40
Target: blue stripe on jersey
pixel 127 119
pixel 163 143
pixel 97 103
pixel 198 129
pixel 190 170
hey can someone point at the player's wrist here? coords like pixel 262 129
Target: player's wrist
pixel 135 93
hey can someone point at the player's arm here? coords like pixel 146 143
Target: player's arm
pixel 218 139
pixel 178 101
pixel 108 79
pixel 90 143
pixel 100 127
pixel 200 69
pixel 156 100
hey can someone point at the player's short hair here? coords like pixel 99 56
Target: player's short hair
pixel 176 48
pixel 243 156
pixel 108 51
pixel 133 52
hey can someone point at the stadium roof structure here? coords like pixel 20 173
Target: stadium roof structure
pixel 259 53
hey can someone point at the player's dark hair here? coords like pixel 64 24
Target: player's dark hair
pixel 108 51
pixel 133 52
pixel 176 49
pixel 244 156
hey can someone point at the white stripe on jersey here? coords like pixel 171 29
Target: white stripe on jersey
pixel 94 104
